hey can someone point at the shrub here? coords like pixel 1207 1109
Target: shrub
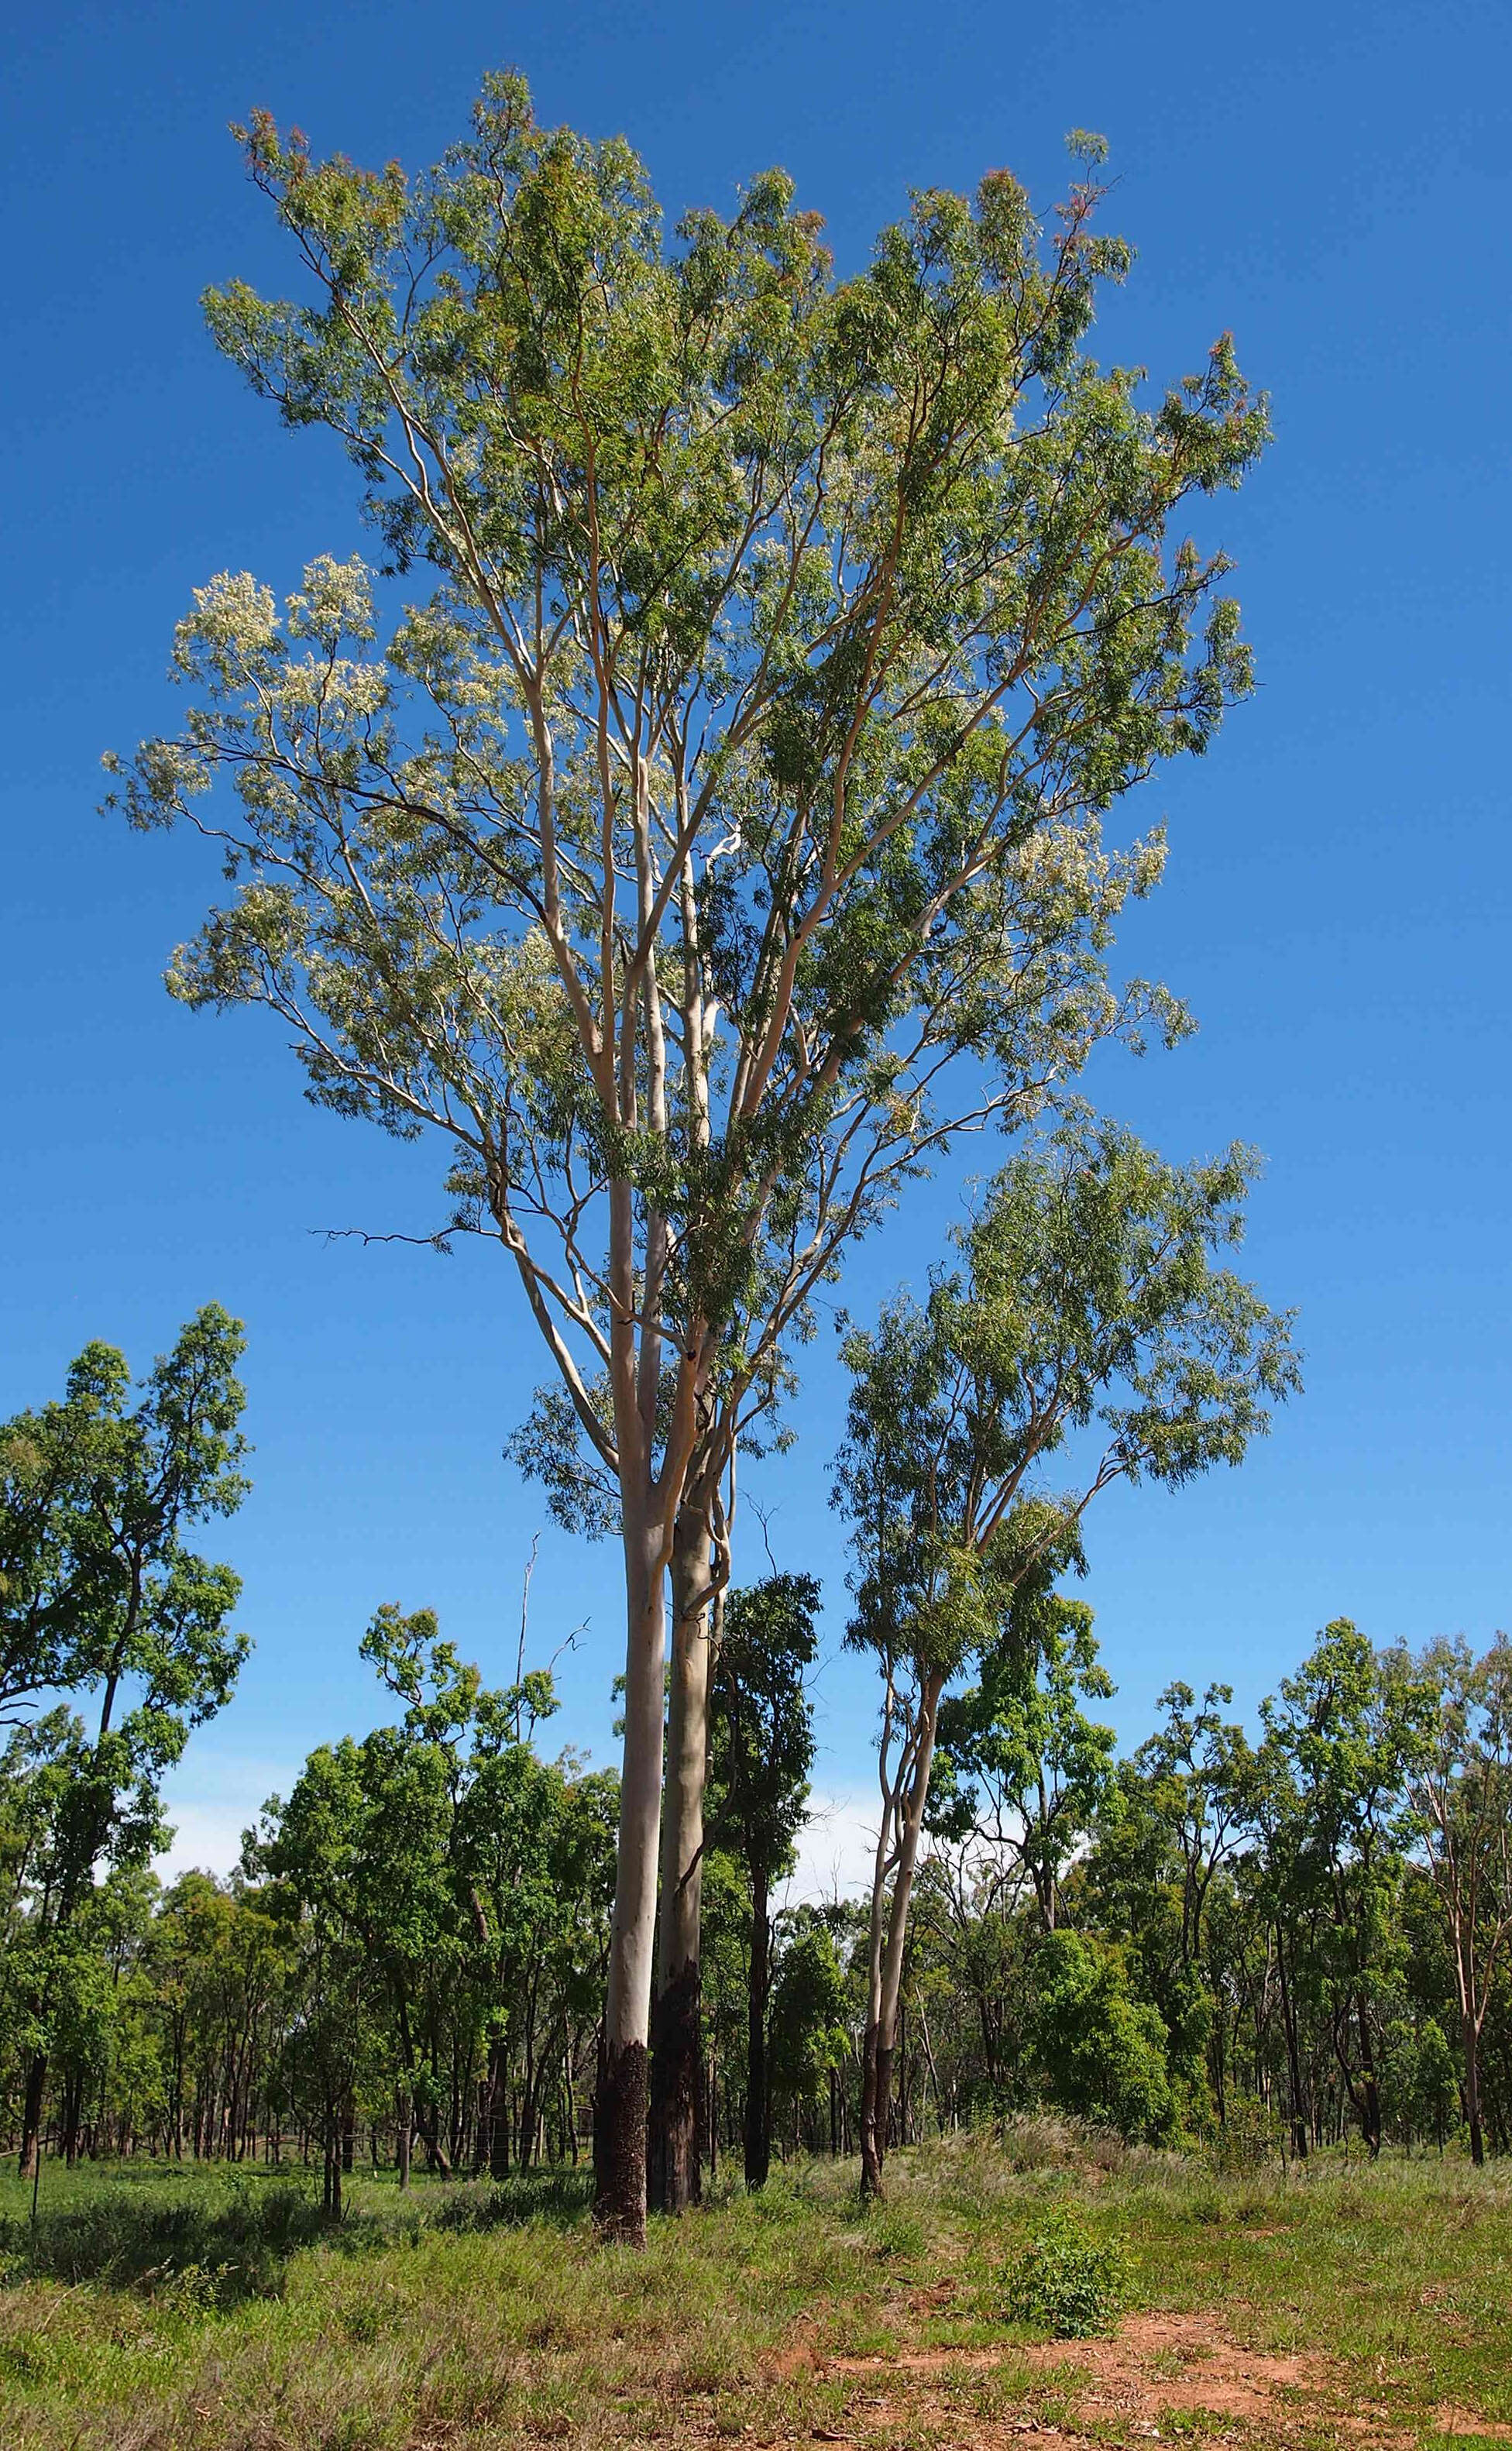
pixel 1068 2283
pixel 1248 2139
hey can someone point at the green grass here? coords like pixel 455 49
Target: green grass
pixel 156 2308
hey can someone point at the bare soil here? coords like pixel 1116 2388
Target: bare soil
pixel 1160 2377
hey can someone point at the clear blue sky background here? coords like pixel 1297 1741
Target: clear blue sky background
pixel 1333 184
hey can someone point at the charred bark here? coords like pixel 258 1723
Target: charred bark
pixel 620 2121
pixel 676 2023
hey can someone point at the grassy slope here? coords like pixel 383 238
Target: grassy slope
pixel 160 2309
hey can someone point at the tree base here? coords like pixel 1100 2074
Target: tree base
pixel 619 2146
pixel 676 2068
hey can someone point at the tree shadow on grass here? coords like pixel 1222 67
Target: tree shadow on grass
pixel 560 2197
pixel 212 2240
pixel 194 2247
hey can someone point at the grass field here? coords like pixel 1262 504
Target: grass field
pixel 160 2308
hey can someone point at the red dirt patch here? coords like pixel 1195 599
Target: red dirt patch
pixel 1153 2365
pixel 1184 2364
pixel 1187 2361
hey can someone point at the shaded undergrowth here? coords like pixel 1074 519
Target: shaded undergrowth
pixel 214 2244
pixel 215 2238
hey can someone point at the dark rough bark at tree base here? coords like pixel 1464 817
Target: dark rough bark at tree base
pixel 619 2144
pixel 31 2115
pixel 676 2068
pixel 876 2089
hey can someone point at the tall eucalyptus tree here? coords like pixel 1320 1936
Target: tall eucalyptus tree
pixel 720 827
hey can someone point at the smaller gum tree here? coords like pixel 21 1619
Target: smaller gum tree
pixel 1088 1316
pixel 1460 1787
pixel 100 1595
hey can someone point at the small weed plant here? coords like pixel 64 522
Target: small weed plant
pixel 1068 2283
pixel 1247 2141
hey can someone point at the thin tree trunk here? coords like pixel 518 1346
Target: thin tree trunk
pixel 886 1968
pixel 620 2119
pixel 1370 2091
pixel 72 2106
pixel 31 2114
pixel 758 2105
pixel 1470 2042
pixel 1288 2023
pixel 499 2111
pixel 677 2028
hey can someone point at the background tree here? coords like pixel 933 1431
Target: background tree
pixel 1088 1297
pixel 723 830
pixel 253 2018
pixel 763 1751
pixel 1459 1785
pixel 807 2039
pixel 102 1597
pixel 1018 1762
pixel 1337 1749
pixel 1101 2050
pixel 447 1894
pixel 1160 1873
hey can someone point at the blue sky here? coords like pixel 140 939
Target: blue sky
pixel 1333 184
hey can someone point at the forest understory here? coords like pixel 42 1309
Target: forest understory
pixel 152 2307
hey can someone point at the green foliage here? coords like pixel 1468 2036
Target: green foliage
pixel 1017 1755
pixel 100 1598
pixel 1102 2051
pixel 810 2008
pixel 97 1589
pixel 1089 1301
pixel 1090 1298
pixel 439 1859
pixel 724 827
pixel 1068 2283
pixel 763 1721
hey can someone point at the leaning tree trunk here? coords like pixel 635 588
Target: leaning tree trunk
pixel 886 1969
pixel 870 2158
pixel 620 2121
pixel 676 2023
